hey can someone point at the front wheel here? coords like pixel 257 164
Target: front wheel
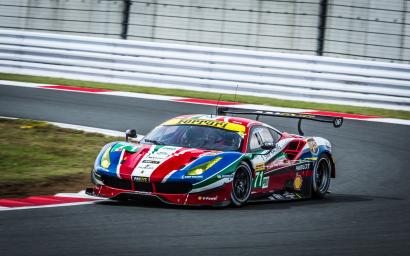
pixel 321 177
pixel 241 185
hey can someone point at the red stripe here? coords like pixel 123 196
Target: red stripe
pixel 41 200
pixel 130 161
pixel 208 102
pixel 73 88
pixel 174 163
pixel 346 115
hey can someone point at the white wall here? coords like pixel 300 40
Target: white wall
pixel 84 17
pixel 243 24
pixel 377 33
pixel 365 29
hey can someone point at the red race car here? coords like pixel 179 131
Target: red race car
pixel 216 160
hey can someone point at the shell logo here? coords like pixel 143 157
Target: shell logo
pixel 298 182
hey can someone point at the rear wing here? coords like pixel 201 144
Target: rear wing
pixel 336 121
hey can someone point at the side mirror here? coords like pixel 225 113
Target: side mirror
pixel 131 133
pixel 268 146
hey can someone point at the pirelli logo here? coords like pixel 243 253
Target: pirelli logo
pixel 204 122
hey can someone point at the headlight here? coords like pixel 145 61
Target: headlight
pixel 198 170
pixel 105 159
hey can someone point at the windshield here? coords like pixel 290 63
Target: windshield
pixel 193 136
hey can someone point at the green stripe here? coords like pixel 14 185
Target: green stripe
pixel 212 179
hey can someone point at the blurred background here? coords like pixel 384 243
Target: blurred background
pixel 364 29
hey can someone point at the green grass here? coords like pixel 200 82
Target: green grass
pixel 32 151
pixel 207 95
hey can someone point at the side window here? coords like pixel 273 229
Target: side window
pixel 275 134
pixel 258 136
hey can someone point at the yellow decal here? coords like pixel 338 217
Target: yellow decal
pixel 298 182
pixel 204 122
pixel 260 167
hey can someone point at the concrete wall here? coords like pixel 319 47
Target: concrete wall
pixel 379 30
pixel 249 24
pixel 82 17
pixel 366 29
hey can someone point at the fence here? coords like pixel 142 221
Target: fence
pixel 372 29
pixel 276 75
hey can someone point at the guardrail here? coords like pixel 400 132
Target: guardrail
pixel 267 74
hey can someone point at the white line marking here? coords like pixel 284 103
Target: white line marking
pixel 80 194
pixel 47 206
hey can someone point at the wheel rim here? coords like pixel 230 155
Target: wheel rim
pixel 322 175
pixel 241 184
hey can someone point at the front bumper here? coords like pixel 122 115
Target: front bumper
pixel 220 196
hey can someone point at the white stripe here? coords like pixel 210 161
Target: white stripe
pixel 141 95
pixel 21 84
pixel 137 170
pixel 216 184
pixel 119 164
pixel 389 120
pixel 167 176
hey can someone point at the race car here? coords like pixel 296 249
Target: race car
pixel 216 160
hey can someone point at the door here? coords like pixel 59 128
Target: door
pixel 271 174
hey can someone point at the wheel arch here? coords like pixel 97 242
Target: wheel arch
pixel 249 163
pixel 332 164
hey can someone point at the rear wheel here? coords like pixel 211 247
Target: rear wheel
pixel 241 185
pixel 321 177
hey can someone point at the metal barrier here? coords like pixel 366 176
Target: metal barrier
pixel 267 74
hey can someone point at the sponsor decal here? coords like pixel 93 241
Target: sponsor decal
pixel 302 167
pixel 260 181
pixel 147 167
pixel 276 197
pixel 154 157
pixel 260 167
pixel 212 153
pixel 207 198
pixel 312 144
pixel 297 182
pixel 204 122
pixel 192 177
pixel 140 179
pixel 162 153
pixel 285 196
pixel 310 158
pixel 219 176
pixel 150 162
pixel 288 195
pixel 265 182
pixel 293 114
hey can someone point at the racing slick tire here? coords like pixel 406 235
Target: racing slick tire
pixel 241 185
pixel 321 177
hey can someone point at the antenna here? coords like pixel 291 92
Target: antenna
pixel 217 105
pixel 236 90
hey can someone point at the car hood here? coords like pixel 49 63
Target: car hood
pixel 155 162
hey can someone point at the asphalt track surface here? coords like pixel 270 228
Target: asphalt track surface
pixel 367 213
